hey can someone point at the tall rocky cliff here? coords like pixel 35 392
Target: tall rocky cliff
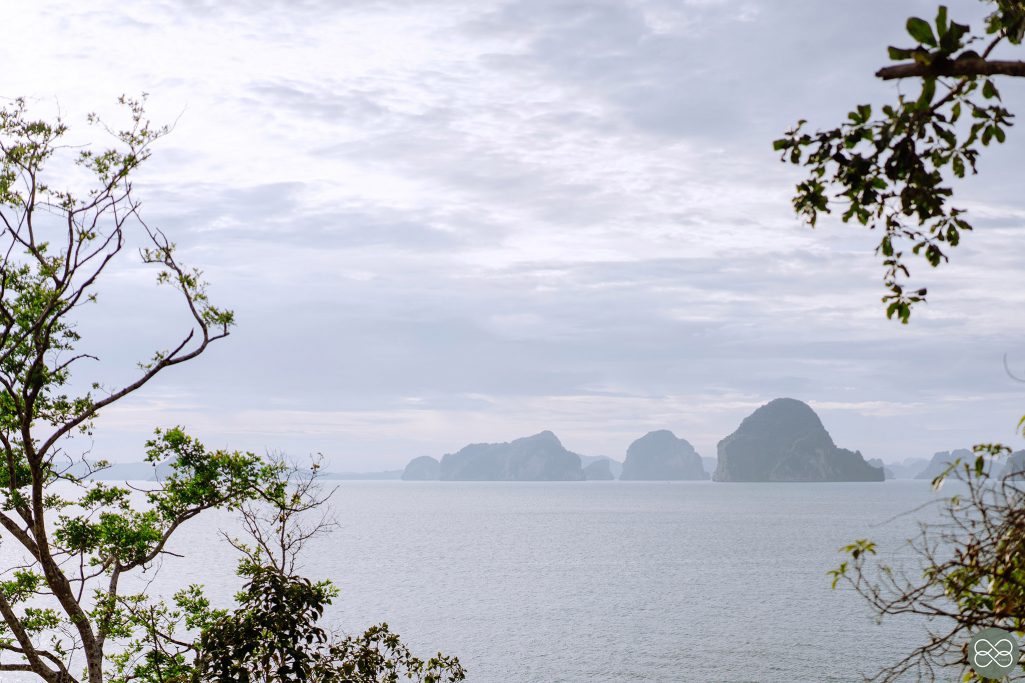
pixel 784 440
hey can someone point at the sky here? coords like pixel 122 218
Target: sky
pixel 441 223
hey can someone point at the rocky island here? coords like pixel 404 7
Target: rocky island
pixel 887 472
pixel 540 457
pixel 599 470
pixel 424 468
pixel 662 456
pixel 1015 466
pixel 907 468
pixel 615 467
pixel 784 440
pixel 941 461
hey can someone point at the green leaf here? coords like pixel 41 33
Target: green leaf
pixel 941 21
pixel 950 41
pixel 928 92
pixel 920 30
pixel 989 91
pixel 898 53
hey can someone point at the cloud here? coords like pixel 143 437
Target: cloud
pixel 446 222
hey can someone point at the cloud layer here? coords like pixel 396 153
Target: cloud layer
pixel 445 222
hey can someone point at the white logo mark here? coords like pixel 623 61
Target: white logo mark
pixel 986 653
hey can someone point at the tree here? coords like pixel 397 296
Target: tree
pixel 66 614
pixel 970 568
pixel 894 173
pixel 80 539
pixel 273 634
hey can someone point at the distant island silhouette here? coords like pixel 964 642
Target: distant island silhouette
pixel 783 440
pixel 540 457
pixel 662 456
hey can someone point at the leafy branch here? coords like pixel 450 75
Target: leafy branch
pixel 893 172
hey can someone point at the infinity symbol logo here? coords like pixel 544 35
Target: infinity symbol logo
pixel 985 653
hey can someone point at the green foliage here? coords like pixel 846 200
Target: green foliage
pixel 63 605
pixel 378 656
pixel 64 609
pixel 157 637
pixel 273 633
pixel 273 637
pixel 892 172
pixel 972 566
pixel 112 532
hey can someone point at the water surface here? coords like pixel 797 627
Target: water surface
pixel 589 582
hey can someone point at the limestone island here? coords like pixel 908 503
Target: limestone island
pixel 1015 466
pixel 941 461
pixel 599 470
pixel 540 457
pixel 424 468
pixel 662 456
pixel 784 440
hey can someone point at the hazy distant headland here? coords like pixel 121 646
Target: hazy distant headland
pixel 941 461
pixel 424 468
pixel 783 440
pixel 887 472
pixel 615 466
pixel 907 468
pixel 1015 467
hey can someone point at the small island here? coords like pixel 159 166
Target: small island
pixel 662 456
pixel 599 470
pixel 783 440
pixel 1014 468
pixel 424 468
pixel 942 460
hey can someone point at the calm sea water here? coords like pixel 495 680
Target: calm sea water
pixel 621 581
pixel 613 581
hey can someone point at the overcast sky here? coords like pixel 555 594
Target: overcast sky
pixel 451 222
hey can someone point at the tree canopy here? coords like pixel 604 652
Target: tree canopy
pixel 67 612
pixel 893 169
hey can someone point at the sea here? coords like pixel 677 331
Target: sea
pixel 591 582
